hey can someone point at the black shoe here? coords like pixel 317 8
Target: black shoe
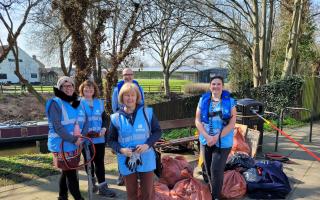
pixel 120 181
pixel 104 190
pixel 63 198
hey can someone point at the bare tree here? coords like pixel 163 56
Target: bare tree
pixel 124 33
pixel 172 42
pixel 73 14
pixel 6 11
pixel 246 24
pixel 52 36
pixel 9 7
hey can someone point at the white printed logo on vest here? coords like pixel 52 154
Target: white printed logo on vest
pixel 140 128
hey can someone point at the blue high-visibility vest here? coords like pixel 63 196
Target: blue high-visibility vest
pixel 132 135
pixel 69 117
pixel 94 115
pixel 215 121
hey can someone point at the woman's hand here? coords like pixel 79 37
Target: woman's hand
pixel 212 140
pixel 141 148
pixel 103 131
pixel 79 141
pixel 126 151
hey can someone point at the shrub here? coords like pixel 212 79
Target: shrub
pixel 279 94
pixel 196 88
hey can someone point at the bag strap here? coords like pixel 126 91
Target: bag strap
pixel 147 119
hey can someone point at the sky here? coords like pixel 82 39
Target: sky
pixel 25 42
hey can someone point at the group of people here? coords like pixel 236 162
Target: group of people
pixel 132 133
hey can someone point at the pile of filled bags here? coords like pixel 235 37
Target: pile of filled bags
pixel 256 179
pixel 177 181
pixel 243 176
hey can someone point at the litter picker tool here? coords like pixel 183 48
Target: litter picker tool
pixel 286 135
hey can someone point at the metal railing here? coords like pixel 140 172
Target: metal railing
pixel 282 114
pixel 278 125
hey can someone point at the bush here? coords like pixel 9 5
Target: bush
pixel 279 94
pixel 196 88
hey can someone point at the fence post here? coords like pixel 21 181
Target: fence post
pixel 15 89
pixel 41 89
pixel 1 88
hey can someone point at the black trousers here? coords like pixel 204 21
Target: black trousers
pixel 69 180
pixel 97 165
pixel 215 160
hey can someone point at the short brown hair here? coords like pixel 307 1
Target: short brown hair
pixel 127 87
pixel 89 83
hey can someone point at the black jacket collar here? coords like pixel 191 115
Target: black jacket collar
pixel 73 100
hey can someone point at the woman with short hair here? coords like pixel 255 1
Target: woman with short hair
pixel 132 133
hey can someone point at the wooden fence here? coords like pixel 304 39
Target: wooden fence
pixel 310 97
pixel 18 89
pixel 176 109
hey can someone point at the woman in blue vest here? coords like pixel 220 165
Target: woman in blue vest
pixel 65 118
pixel 215 121
pixel 97 120
pixel 132 133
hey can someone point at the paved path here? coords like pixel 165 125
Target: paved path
pixel 303 174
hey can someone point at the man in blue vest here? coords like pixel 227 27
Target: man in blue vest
pixel 127 77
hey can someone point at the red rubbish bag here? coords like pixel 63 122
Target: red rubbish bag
pixel 234 185
pixel 162 192
pixel 190 189
pixel 172 169
pixel 239 142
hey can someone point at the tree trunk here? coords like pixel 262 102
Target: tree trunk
pixel 292 45
pixel 22 80
pixel 99 75
pixel 62 62
pixel 255 47
pixel 111 81
pixel 262 42
pixel 73 14
pixel 166 78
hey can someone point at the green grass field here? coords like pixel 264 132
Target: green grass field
pixel 149 85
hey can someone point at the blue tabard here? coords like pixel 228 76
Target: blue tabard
pixel 214 124
pixel 69 117
pixel 132 135
pixel 94 117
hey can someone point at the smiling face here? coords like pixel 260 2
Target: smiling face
pixel 127 75
pixel 130 99
pixel 67 88
pixel 216 86
pixel 88 92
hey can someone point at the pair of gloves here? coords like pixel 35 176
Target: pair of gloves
pixel 133 161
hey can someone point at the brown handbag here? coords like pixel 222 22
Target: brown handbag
pixel 68 161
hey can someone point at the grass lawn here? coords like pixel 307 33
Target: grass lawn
pixel 21 168
pixel 26 167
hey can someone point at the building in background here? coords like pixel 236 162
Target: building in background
pixel 191 73
pixel 29 68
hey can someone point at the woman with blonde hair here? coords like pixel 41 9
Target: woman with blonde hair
pixel 132 133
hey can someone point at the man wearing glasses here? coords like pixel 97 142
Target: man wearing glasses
pixel 127 77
